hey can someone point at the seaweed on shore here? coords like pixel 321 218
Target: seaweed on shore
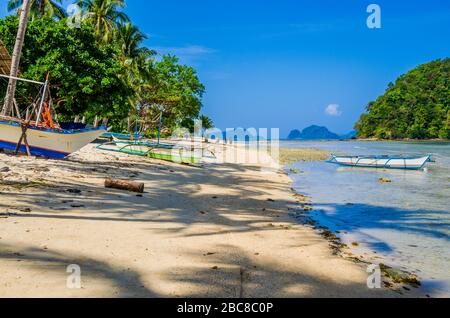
pixel 400 277
pixel 292 155
pixel 392 276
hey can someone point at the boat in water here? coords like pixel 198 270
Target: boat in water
pixel 382 162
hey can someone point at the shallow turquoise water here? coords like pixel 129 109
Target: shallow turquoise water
pixel 405 223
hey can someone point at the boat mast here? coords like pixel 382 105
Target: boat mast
pixel 10 93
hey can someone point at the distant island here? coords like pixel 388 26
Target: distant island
pixel 417 106
pixel 318 133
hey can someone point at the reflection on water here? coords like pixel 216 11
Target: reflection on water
pixel 405 223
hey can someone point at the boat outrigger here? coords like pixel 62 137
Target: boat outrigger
pixel 382 162
pixel 155 150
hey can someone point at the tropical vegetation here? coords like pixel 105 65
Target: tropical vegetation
pixel 417 106
pixel 103 67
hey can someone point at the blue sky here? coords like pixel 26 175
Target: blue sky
pixel 284 63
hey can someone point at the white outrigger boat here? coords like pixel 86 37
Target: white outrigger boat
pixel 47 142
pixel 38 134
pixel 382 162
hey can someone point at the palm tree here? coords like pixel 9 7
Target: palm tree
pixel 41 8
pixel 207 122
pixel 133 55
pixel 104 15
pixel 136 60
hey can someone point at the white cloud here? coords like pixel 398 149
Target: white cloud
pixel 190 50
pixel 333 110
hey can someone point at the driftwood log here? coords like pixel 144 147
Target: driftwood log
pixel 124 185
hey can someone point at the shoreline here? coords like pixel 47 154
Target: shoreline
pixel 372 140
pixel 216 230
pixel 394 277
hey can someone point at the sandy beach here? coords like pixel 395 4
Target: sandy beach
pixel 215 230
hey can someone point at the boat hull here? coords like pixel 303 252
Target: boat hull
pixel 160 151
pixel 382 162
pixel 48 143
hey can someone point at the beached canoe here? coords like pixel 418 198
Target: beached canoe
pixel 167 152
pixel 382 162
pixel 51 143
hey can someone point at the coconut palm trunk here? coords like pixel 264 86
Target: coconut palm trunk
pixel 10 93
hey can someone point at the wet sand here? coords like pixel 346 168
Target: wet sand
pixel 218 230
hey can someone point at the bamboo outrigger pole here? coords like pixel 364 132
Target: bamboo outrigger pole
pixel 15 59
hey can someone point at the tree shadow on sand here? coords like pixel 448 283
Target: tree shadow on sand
pixel 125 282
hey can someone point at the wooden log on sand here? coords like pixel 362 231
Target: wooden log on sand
pixel 124 185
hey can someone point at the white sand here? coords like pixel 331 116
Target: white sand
pixel 196 232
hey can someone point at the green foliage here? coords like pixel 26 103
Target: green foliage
pixel 417 106
pixel 40 8
pixel 207 122
pixel 83 74
pixel 103 15
pixel 102 68
pixel 175 86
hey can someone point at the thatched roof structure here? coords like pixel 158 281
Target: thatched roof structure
pixel 5 60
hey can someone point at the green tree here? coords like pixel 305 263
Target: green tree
pixel 207 122
pixel 83 73
pixel 416 106
pixel 175 86
pixel 41 8
pixel 104 16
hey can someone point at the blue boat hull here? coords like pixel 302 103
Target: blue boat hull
pixel 35 151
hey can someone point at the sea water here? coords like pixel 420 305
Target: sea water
pixel 404 224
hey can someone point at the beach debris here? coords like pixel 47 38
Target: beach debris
pixel 329 235
pixel 301 197
pixel 41 169
pixel 209 254
pixel 355 244
pixel 295 171
pixel 5 169
pixel 25 210
pixel 400 277
pixel 77 205
pixel 270 200
pixel 215 267
pixel 124 185
pixel 384 180
pixel 73 191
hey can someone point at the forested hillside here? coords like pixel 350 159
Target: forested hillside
pixel 417 106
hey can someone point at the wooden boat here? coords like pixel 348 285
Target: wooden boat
pixel 167 152
pixel 382 162
pixel 39 134
pixel 47 142
pixel 36 133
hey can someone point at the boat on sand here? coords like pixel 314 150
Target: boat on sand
pixel 161 151
pixel 47 142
